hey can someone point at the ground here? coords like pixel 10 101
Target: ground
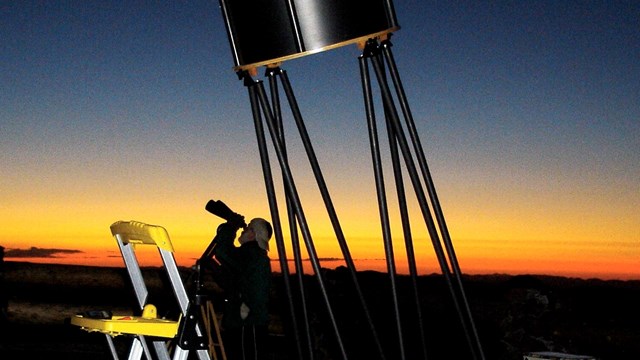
pixel 513 314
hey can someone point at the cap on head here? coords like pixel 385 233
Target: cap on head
pixel 263 231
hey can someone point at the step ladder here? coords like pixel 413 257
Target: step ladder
pixel 169 338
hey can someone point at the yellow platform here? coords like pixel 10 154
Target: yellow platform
pixel 150 335
pixel 148 324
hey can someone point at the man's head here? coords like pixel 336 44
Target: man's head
pixel 258 230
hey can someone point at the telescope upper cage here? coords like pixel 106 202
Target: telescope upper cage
pixel 265 32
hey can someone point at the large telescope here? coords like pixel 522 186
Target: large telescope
pixel 265 32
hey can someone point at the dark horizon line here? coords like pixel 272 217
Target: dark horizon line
pixel 476 275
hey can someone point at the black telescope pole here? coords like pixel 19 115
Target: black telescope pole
pixel 255 107
pixel 406 229
pixel 377 61
pixel 404 217
pixel 381 196
pixel 426 174
pixel 387 98
pixel 291 188
pixel 293 232
pixel 335 222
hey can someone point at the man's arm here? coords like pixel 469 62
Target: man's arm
pixel 225 250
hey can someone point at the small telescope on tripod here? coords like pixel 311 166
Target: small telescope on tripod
pixel 220 209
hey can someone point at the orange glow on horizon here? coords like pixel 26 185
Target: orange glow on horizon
pixel 516 246
pixel 533 260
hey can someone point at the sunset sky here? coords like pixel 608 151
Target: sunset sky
pixel 528 112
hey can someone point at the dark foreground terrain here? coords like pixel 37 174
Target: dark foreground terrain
pixel 513 315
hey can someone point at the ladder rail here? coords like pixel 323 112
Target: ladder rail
pixel 129 235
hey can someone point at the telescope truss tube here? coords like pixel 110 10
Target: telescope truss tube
pixel 269 32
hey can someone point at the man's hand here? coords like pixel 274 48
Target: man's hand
pixel 237 221
pixel 244 311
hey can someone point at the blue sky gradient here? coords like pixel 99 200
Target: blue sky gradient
pixel 528 113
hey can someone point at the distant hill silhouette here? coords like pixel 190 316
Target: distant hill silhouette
pixel 514 314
